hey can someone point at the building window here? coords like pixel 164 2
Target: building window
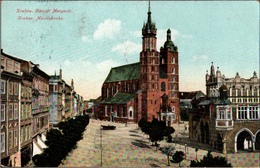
pixel 124 111
pixel 173 87
pixel 152 68
pixel 221 115
pixel 131 114
pixel 163 86
pixel 11 91
pixel 105 110
pixel 253 112
pixel 55 88
pixel 10 112
pixel 2 112
pixel 173 60
pixel 173 95
pixel 16 89
pixel 21 135
pixel 10 139
pixel 15 111
pixel 15 138
pixel 173 70
pixel 3 82
pixel 173 78
pixel 242 112
pixel 173 109
pixel 3 142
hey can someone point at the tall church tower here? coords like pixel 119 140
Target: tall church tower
pixel 170 64
pixel 149 69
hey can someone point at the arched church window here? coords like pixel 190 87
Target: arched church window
pixel 163 61
pixel 173 109
pixel 173 70
pixel 163 86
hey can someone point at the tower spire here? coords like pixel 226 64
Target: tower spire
pixel 149 20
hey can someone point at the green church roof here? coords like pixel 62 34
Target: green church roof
pixel 119 98
pixel 123 73
pixel 127 72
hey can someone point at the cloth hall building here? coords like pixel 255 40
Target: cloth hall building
pixel 228 119
pixel 146 89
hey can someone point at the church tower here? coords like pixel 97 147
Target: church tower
pixel 170 64
pixel 149 69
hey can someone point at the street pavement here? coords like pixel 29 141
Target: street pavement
pixel 127 146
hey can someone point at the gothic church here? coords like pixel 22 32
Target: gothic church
pixel 146 89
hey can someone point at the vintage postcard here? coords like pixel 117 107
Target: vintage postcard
pixel 130 83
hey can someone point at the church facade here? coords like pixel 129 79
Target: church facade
pixel 146 89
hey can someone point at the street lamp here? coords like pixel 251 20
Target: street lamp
pixel 100 145
pixel 196 150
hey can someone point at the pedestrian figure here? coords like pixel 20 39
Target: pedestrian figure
pixel 126 123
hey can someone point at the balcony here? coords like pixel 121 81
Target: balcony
pixel 224 125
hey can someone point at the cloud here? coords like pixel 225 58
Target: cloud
pixel 127 47
pixel 161 36
pixel 200 57
pixel 67 62
pixel 186 36
pixel 85 39
pixel 137 33
pixel 107 29
pixel 105 66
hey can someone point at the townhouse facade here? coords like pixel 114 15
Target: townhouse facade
pixel 40 108
pixel 28 98
pixel 11 79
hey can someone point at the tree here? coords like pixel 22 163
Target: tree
pixel 178 157
pixel 167 150
pixel 210 161
pixel 141 122
pixel 156 134
pixel 168 132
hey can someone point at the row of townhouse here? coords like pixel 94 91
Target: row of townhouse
pixel 29 108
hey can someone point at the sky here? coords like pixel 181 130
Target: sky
pixel 93 37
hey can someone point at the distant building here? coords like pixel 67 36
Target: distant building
pixel 147 89
pixel 40 108
pixel 186 98
pixel 229 118
pixel 56 109
pixel 188 102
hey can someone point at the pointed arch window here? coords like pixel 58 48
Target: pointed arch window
pixel 152 68
pixel 163 86
pixel 173 60
pixel 173 70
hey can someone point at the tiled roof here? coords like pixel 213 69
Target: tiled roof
pixel 123 73
pixel 127 72
pixel 119 98
pixel 223 102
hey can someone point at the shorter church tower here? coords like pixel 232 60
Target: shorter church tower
pixel 169 63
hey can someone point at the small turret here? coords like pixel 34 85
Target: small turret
pixel 207 76
pixel 212 70
pixel 218 73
